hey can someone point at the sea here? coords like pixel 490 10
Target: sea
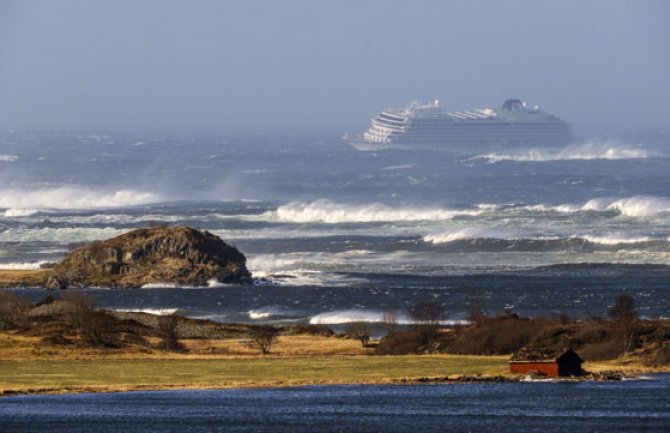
pixel 334 235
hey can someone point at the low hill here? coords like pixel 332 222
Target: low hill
pixel 178 254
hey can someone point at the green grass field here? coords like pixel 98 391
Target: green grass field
pixel 124 375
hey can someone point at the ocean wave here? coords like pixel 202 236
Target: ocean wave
pixel 268 312
pixel 62 235
pixel 460 234
pixel 18 213
pixel 339 317
pixel 23 265
pixel 330 212
pixel 635 206
pixel 589 150
pixel 468 240
pixel 165 285
pixel 156 311
pixel 8 158
pixel 15 200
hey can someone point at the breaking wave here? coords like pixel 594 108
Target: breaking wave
pixel 21 200
pixel 326 211
pixel 478 241
pixel 589 150
pixel 156 311
pixel 369 316
pixel 636 206
pixel 23 265
pixel 8 158
pixel 268 312
pixel 63 234
pixel 330 212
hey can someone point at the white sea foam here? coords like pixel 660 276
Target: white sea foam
pixel 459 234
pixel 63 234
pixel 350 316
pixel 589 150
pixel 22 265
pixel 156 311
pixel 8 158
pixel 326 211
pixel 267 312
pixel 18 213
pixel 635 206
pixel 615 239
pixel 398 167
pixel 370 316
pixel 163 285
pixel 72 197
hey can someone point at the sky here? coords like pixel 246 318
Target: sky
pixel 256 64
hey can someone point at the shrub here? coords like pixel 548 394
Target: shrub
pixel 399 343
pixel 167 331
pixel 95 327
pixel 427 320
pixel 264 337
pixel 308 329
pixel 359 331
pixel 13 311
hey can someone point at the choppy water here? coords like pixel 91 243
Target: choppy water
pixel 629 406
pixel 346 234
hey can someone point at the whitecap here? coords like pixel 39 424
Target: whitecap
pixel 23 265
pixel 18 213
pixel 591 149
pixel 338 317
pixel 156 311
pixel 72 197
pixel 330 212
pixel 267 312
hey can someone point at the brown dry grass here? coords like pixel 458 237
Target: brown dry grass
pixel 16 346
pixel 23 278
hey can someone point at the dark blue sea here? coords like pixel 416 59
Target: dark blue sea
pixel 609 407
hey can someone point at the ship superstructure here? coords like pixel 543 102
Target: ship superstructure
pixel 428 126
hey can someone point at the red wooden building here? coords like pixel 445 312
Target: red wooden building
pixel 547 362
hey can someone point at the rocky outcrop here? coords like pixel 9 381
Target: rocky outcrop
pixel 151 255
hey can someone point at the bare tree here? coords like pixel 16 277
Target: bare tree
pixel 625 318
pixel 390 321
pixel 13 311
pixel 264 337
pixel 426 320
pixel 358 330
pixel 82 315
pixel 167 331
pixel 476 304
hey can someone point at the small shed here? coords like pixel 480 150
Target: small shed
pixel 550 362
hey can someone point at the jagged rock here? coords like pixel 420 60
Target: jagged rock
pixel 151 255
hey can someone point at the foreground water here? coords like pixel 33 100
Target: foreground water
pixel 344 235
pixel 628 406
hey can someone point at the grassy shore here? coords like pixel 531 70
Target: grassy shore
pixel 107 375
pixel 29 365
pixel 23 277
pixel 26 366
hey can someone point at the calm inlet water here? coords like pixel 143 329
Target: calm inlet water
pixel 629 406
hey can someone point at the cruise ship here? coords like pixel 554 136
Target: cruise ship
pixel 428 126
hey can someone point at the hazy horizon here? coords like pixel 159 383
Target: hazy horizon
pixel 178 64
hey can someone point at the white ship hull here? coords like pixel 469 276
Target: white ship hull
pixel 430 128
